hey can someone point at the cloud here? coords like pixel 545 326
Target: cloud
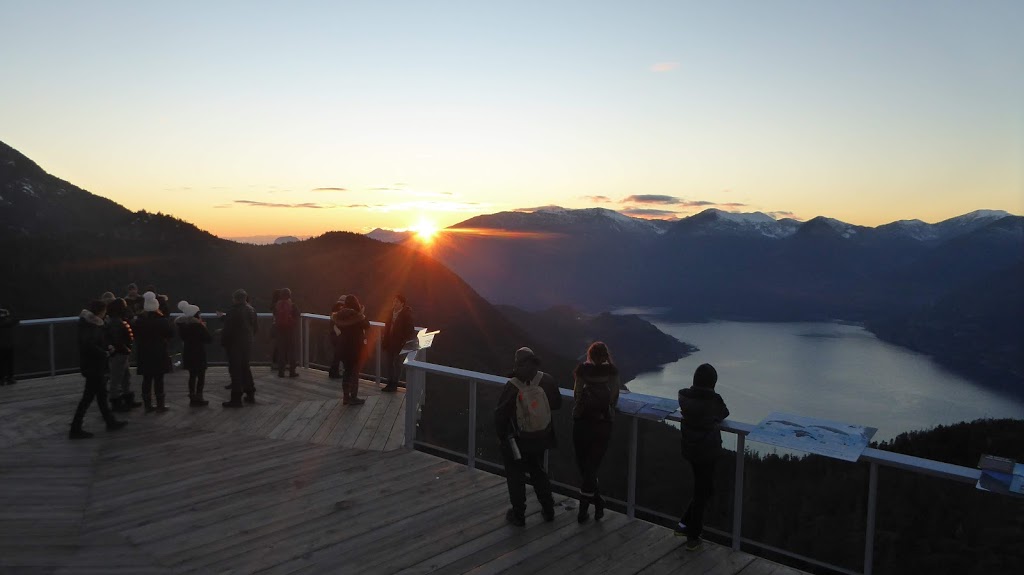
pixel 652 199
pixel 648 213
pixel 357 206
pixel 330 189
pixel 538 208
pixel 733 205
pixel 597 199
pixel 273 205
pixel 664 66
pixel 778 215
pixel 430 206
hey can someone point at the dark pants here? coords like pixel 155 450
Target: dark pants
pixel 241 374
pixel 703 465
pixel 6 363
pixel 350 375
pixel 590 439
pixel 285 349
pixel 95 387
pixel 148 383
pixel 393 366
pixel 532 462
pixel 196 383
pixel 335 368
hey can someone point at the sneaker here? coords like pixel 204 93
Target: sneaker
pixel 514 518
pixel 599 511
pixel 79 434
pixel 356 401
pixel 293 374
pixel 548 513
pixel 115 425
pixel 680 530
pixel 389 388
pixel 232 404
pixel 198 403
pixel 693 543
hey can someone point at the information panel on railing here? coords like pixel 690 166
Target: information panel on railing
pixel 821 436
pixel 423 340
pixel 647 406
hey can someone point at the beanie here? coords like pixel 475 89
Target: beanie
pixel 188 309
pixel 705 376
pixel 150 303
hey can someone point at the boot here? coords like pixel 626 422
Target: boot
pixel 117 404
pixel 280 372
pixel 235 402
pixel 148 403
pixel 582 515
pixel 198 400
pixel 160 406
pixel 114 425
pixel 598 508
pixel 129 400
pixel 79 433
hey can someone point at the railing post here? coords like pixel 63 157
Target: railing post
pixel 471 445
pixel 379 337
pixel 305 342
pixel 869 535
pixel 53 352
pixel 634 432
pixel 737 498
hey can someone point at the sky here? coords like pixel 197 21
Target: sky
pixel 295 118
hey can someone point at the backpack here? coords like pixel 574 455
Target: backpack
pixel 283 317
pixel 596 399
pixel 533 412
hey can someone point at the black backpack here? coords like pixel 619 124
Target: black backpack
pixel 596 399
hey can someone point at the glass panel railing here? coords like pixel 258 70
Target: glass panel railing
pixel 444 416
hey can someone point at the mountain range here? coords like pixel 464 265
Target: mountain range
pixel 63 246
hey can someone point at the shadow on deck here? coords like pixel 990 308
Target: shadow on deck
pixel 295 484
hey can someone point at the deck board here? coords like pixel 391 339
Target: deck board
pixel 298 483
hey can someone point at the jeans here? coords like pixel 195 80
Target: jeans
pixel 703 465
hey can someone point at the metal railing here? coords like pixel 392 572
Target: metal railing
pixel 417 368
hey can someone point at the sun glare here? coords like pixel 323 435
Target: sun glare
pixel 425 231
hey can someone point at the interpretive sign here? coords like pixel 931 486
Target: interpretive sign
pixel 647 406
pixel 820 436
pixel 1001 475
pixel 423 340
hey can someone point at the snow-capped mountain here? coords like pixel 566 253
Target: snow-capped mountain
pixel 565 221
pixel 714 222
pixel 941 231
pixel 389 236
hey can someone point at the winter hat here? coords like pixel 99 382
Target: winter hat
pixel 188 309
pixel 108 297
pixel 524 354
pixel 150 303
pixel 705 376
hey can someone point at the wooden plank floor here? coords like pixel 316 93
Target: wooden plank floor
pixel 295 484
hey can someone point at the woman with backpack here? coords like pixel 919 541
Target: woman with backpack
pixel 596 392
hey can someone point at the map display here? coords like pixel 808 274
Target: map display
pixel 812 435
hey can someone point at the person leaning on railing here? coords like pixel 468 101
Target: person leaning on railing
pixel 525 431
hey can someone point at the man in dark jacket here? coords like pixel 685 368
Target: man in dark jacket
pixel 397 330
pixel 236 337
pixel 703 411
pixel 93 353
pixel 8 323
pixel 531 445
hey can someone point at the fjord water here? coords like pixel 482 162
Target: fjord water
pixel 827 370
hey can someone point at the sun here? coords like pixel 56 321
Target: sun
pixel 425 231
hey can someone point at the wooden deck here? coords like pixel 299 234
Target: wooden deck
pixel 295 484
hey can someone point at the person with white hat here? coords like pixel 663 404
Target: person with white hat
pixel 194 335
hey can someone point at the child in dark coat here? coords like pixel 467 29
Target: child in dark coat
pixel 703 411
pixel 194 335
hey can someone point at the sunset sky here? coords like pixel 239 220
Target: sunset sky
pixel 294 118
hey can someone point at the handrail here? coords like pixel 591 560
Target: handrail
pixel 418 368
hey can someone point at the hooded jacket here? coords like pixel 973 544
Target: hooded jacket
pixel 92 345
pixel 352 326
pixel 589 374
pixel 703 411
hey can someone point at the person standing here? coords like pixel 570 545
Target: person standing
pixel 334 336
pixel 286 326
pixel 523 421
pixel 194 336
pixel 134 301
pixel 352 325
pixel 397 330
pixel 239 328
pixel 596 392
pixel 122 338
pixel 93 352
pixel 8 325
pixel 152 332
pixel 703 411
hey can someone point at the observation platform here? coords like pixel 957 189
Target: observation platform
pixel 297 483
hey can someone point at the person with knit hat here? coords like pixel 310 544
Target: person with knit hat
pixel 194 335
pixel 525 429
pixel 239 328
pixel 703 411
pixel 152 332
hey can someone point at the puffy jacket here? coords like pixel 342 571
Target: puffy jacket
pixel 703 411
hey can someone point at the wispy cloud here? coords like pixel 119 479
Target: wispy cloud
pixel 275 205
pixel 330 189
pixel 648 213
pixel 597 199
pixel 430 206
pixel 778 215
pixel 664 66
pixel 538 208
pixel 651 199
